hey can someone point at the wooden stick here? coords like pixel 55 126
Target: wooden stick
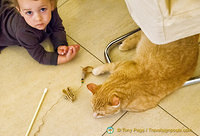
pixel 36 112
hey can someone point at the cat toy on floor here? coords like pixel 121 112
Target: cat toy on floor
pixel 85 71
pixel 69 95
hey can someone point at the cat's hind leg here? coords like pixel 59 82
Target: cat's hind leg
pixel 130 42
pixel 108 67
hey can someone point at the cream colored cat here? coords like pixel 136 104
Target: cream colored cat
pixel 142 83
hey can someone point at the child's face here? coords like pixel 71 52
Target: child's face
pixel 37 13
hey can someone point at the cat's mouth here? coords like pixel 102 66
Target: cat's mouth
pixel 97 115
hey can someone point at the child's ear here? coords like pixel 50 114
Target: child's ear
pixel 52 5
pixel 115 101
pixel 92 87
pixel 18 9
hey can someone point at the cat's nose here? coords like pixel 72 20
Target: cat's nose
pixel 95 115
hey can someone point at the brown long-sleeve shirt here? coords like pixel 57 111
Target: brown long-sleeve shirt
pixel 15 31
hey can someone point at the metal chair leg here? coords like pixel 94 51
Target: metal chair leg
pixel 117 41
pixel 114 42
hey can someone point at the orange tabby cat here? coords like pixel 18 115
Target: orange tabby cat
pixel 140 84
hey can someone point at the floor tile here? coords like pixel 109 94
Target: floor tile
pixel 94 23
pixel 184 104
pixel 154 122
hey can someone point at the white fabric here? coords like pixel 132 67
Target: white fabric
pixel 164 21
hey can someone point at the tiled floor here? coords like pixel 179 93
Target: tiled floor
pixel 92 24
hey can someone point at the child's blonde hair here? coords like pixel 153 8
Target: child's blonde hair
pixel 16 4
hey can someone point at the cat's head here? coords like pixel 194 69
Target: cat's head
pixel 103 103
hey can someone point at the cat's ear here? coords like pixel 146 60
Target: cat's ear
pixel 92 87
pixel 115 101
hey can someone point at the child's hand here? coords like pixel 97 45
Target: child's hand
pixel 71 52
pixel 62 50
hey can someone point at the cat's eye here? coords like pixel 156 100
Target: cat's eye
pixel 110 104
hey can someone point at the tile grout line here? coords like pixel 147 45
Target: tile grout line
pixel 116 122
pixel 177 120
pixel 62 4
pixel 86 49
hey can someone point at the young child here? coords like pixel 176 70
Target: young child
pixel 28 23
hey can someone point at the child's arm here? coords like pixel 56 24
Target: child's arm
pixel 30 40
